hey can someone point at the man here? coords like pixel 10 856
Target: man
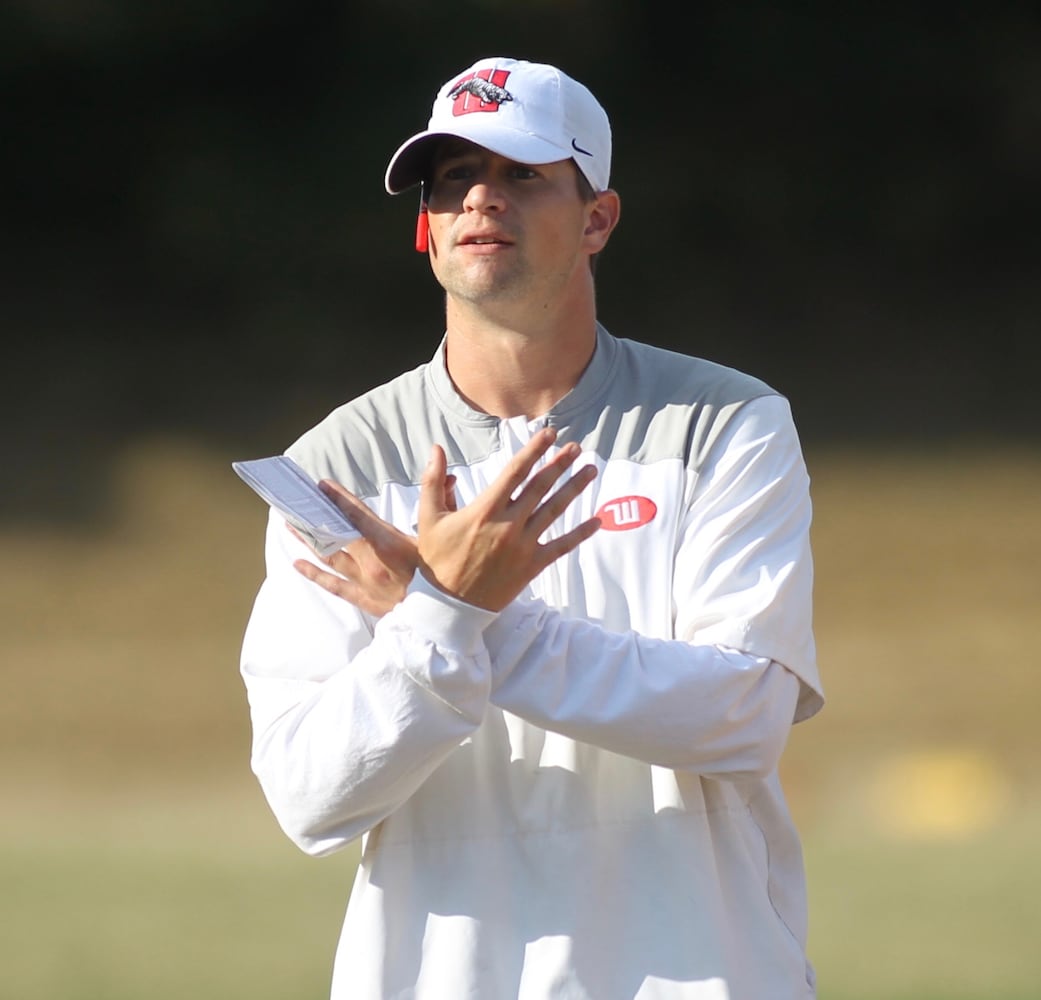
pixel 550 686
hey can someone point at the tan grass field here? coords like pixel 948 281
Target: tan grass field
pixel 137 858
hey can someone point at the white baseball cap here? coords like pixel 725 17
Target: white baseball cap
pixel 528 112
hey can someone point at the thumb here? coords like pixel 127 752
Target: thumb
pixel 432 501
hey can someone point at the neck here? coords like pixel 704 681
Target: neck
pixel 510 369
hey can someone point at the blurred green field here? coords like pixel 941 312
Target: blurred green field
pixel 138 859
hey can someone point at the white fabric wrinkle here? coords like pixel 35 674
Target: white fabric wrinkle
pixel 336 755
pixel 749 525
pixel 664 702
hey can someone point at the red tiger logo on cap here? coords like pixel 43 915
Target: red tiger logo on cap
pixel 480 91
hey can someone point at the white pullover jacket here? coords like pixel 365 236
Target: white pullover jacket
pixel 576 798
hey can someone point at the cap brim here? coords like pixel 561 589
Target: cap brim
pixel 410 164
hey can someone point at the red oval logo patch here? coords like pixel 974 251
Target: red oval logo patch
pixel 626 513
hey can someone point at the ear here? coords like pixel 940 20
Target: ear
pixel 603 217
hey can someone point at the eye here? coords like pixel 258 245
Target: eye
pixel 455 171
pixel 522 172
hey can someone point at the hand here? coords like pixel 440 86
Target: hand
pixel 486 553
pixel 373 572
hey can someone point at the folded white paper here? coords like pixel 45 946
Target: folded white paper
pixel 296 496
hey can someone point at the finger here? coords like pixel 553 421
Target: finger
pixel 356 511
pixel 308 542
pixel 344 563
pixel 540 484
pixel 558 547
pixel 545 515
pixel 432 502
pixel 340 495
pixel 336 585
pixel 519 467
pixel 451 500
pixel 370 524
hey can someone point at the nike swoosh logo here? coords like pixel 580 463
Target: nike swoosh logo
pixel 578 149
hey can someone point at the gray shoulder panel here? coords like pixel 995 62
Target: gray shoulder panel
pixel 659 404
pixel 385 436
pixel 634 402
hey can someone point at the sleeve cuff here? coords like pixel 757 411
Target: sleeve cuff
pixel 444 619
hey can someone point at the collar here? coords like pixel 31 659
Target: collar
pixel 588 390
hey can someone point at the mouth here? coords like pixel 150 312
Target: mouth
pixel 483 240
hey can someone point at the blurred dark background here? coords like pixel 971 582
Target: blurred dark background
pixel 196 241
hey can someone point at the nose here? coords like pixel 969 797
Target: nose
pixel 484 196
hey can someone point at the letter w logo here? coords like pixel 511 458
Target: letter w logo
pixel 626 513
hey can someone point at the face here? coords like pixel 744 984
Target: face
pixel 503 232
